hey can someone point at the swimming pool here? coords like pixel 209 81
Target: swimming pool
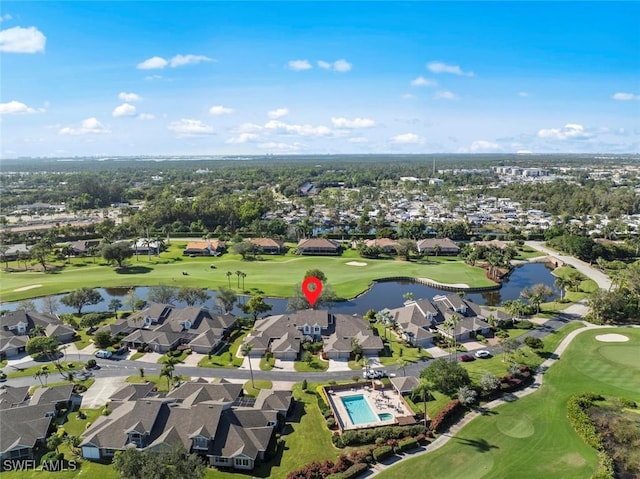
pixel 358 409
pixel 385 416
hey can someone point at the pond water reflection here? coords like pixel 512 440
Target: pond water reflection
pixel 379 296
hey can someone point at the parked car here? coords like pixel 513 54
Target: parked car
pixel 374 374
pixel 483 353
pixel 103 354
pixel 466 358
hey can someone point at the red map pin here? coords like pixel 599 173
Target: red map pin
pixel 312 287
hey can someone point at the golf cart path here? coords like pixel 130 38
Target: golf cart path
pixel 450 433
pixel 603 281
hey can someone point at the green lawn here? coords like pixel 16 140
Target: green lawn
pixel 398 349
pixel 316 365
pixel 227 357
pixel 526 253
pixel 160 382
pixel 267 364
pixel 307 439
pixel 258 384
pixel 531 437
pixel 181 357
pixel 272 275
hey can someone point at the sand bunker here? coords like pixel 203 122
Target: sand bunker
pixel 612 338
pixel 25 288
pixel 356 263
pixel 453 285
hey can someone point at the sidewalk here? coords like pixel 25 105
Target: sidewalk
pixel 453 430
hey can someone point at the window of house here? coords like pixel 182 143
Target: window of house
pixel 200 442
pixel 242 462
pixel 109 452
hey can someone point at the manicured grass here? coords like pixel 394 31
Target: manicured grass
pixel 75 426
pixel 306 439
pixel 53 372
pixel 86 382
pixel 272 275
pixel 408 353
pixel 227 357
pixel 316 365
pixel 135 356
pixel 258 384
pixel 267 364
pixel 526 253
pixel 160 382
pixel 180 358
pixel 531 437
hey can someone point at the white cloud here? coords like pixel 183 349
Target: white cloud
pixel 180 60
pixel 129 97
pixel 90 126
pixel 126 109
pixel 301 130
pixel 157 62
pixel 146 116
pixel 422 81
pixel 242 138
pixel 523 94
pixel 152 63
pixel 342 122
pixel 570 131
pixel 445 95
pixel 218 110
pixel 153 77
pixel 625 96
pixel 299 65
pixel 341 65
pixel 278 113
pixel 407 139
pixel 408 96
pixel 358 139
pixel 14 106
pixel 249 128
pixel 22 40
pixel 4 17
pixel 190 128
pixel 440 67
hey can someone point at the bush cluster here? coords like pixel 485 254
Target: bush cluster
pixel 346 466
pixel 446 415
pixel 523 324
pixel 369 436
pixel 534 343
pixel 52 456
pixel 382 452
pixel 407 444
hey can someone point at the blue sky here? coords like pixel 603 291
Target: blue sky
pixel 172 78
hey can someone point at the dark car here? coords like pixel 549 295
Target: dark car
pixel 465 358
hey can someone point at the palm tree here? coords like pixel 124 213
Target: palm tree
pixel 246 350
pixel 421 391
pixel 450 325
pixel 229 274
pixel 561 283
pixel 115 304
pixel 243 276
pixel 403 363
pixel 238 273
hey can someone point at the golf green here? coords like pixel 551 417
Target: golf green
pixel 531 438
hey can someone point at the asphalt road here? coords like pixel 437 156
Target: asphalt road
pixel 118 368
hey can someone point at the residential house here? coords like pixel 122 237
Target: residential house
pixel 15 327
pixel 387 245
pixel 164 327
pixel 441 246
pixel 404 384
pixel 204 248
pixel 15 251
pixel 82 247
pixel 24 429
pixel 205 418
pixel 268 245
pixel 284 334
pixel 11 396
pixel 319 246
pixel 61 396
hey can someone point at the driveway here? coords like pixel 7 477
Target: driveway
pixel 193 359
pixel 284 365
pixel 436 352
pixel 339 365
pixel 98 394
pixel 603 281
pixel 150 358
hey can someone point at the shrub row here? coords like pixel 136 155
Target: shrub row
pixel 577 414
pixel 407 444
pixel 445 417
pixel 383 452
pixel 353 471
pixel 369 436
pixel 585 428
pixel 343 464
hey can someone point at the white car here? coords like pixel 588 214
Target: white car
pixel 103 354
pixel 482 354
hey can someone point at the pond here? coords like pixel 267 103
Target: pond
pixel 379 296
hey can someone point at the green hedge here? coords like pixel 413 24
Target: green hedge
pixel 369 436
pixel 352 472
pixel 407 444
pixel 382 453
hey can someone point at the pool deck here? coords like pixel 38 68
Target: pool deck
pixel 379 400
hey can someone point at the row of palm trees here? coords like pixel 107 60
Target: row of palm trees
pixel 240 274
